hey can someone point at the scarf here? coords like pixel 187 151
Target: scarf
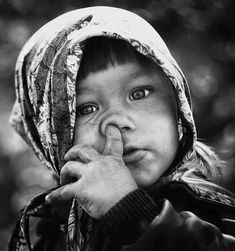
pixel 45 107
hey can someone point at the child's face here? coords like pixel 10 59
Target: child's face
pixel 142 105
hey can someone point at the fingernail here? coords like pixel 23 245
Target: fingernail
pixel 47 199
pixel 65 156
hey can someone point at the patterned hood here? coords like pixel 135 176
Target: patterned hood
pixel 45 107
pixel 46 71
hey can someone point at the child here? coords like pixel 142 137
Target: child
pixel 103 103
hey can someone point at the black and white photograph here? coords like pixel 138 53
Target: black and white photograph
pixel 117 125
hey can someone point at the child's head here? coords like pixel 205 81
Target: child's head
pixel 119 86
pixel 126 77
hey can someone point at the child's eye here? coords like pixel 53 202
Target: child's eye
pixel 86 109
pixel 140 93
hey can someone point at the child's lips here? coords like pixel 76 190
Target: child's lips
pixel 133 155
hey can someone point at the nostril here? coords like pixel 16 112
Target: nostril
pixel 122 121
pixel 125 128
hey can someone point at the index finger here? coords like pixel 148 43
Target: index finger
pixel 114 145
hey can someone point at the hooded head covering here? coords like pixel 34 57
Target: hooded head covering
pixel 46 71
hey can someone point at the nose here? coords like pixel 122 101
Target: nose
pixel 124 122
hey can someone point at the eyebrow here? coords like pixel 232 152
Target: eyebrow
pixel 81 89
pixel 140 73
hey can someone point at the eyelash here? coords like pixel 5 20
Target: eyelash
pixel 81 108
pixel 147 91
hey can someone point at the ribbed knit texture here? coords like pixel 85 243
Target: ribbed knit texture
pixel 132 213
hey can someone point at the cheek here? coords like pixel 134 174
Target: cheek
pixel 162 129
pixel 86 135
pixel 167 145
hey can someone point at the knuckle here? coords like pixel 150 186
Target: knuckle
pixel 199 227
pixel 187 214
pixel 83 146
pixel 108 165
pixel 66 171
pixel 115 139
pixel 79 147
pixel 73 149
pixel 66 167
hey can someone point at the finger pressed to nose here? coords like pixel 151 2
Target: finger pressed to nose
pixel 114 145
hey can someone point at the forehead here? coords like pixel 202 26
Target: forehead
pixel 121 76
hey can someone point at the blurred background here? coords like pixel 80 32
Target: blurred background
pixel 200 35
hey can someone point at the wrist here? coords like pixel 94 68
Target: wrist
pixel 131 213
pixel 119 195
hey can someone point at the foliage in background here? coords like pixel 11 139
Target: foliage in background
pixel 200 35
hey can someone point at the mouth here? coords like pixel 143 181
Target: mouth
pixel 132 154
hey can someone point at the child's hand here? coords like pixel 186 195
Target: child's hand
pixel 100 180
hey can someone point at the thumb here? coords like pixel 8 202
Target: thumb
pixel 114 145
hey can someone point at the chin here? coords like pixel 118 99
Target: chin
pixel 145 177
pixel 145 181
